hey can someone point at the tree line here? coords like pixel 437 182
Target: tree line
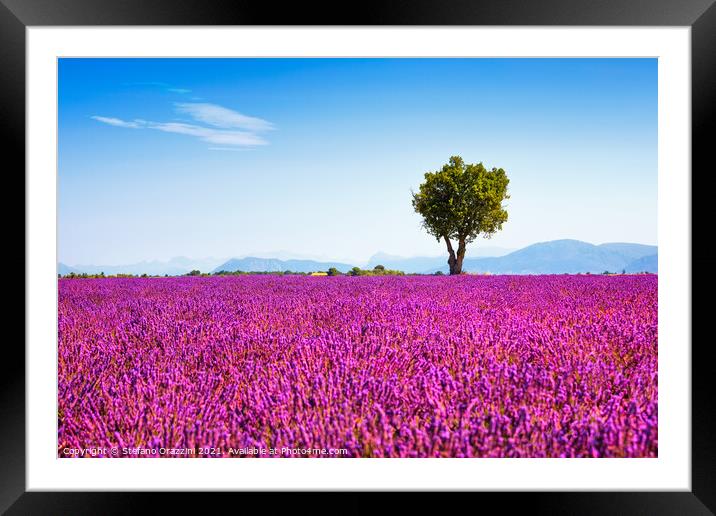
pixel 378 270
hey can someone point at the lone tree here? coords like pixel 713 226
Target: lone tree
pixel 459 202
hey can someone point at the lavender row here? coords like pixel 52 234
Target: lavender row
pixel 469 366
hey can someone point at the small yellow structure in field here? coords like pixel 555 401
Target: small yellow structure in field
pixel 319 274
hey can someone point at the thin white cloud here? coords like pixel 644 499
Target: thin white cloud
pixel 215 136
pixel 221 137
pixel 117 122
pixel 233 149
pixel 179 90
pixel 225 118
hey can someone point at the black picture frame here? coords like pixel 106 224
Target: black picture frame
pixel 700 15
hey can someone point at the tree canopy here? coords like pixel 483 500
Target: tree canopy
pixel 461 201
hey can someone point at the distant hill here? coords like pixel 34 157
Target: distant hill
pixel 630 251
pixel 644 264
pixel 64 269
pixel 555 257
pixel 174 267
pixel 418 264
pixel 566 256
pixel 253 264
pixel 415 264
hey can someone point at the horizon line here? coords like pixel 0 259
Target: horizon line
pixel 263 255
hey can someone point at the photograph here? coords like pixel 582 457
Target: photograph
pixel 357 257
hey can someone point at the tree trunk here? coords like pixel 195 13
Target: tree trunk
pixel 452 259
pixel 460 256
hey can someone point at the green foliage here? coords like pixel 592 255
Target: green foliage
pixel 84 275
pixel 379 270
pixel 462 201
pixel 244 273
pixel 356 271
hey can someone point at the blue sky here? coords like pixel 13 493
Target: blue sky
pixel 317 157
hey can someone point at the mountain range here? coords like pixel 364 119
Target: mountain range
pixel 567 256
pixel 174 267
pixel 420 264
pixel 554 257
pixel 253 264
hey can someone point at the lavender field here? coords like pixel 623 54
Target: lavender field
pixel 414 366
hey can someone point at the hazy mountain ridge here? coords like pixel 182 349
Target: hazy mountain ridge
pixel 554 257
pixel 176 266
pixel 567 256
pixel 253 264
pixel 420 264
pixel 646 263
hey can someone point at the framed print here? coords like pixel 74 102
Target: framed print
pixel 439 248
